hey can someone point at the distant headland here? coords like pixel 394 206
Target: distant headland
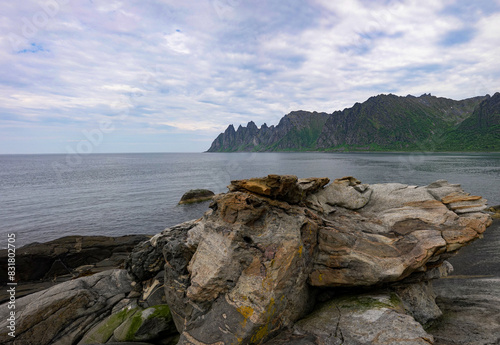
pixel 382 123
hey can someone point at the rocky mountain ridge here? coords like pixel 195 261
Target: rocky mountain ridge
pixel 382 123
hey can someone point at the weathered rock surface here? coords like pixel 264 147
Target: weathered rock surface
pixel 419 301
pixel 471 311
pixel 361 319
pixel 346 192
pixel 281 187
pixel 42 265
pixel 133 323
pixel 249 268
pixel 65 312
pixel 495 211
pixel 470 297
pixel 402 229
pixel 196 195
pixel 146 264
pixel 278 260
pixel 248 273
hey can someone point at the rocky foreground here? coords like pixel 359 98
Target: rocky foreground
pixel 279 260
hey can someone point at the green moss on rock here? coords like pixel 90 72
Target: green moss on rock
pixel 146 324
pixel 102 332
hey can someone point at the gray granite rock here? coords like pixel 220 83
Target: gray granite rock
pixel 64 313
pixel 366 319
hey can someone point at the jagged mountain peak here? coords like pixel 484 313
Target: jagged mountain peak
pixel 229 129
pixel 252 126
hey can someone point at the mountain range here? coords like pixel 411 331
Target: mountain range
pixel 381 123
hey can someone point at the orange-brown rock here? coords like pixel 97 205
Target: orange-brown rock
pixel 461 202
pixel 457 198
pixel 282 187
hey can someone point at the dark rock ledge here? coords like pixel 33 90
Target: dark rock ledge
pixel 280 260
pixel 42 265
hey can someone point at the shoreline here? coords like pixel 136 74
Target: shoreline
pixel 359 151
pixel 291 151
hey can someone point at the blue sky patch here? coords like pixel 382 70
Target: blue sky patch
pixel 471 11
pixel 34 48
pixel 457 37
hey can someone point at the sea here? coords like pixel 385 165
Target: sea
pixel 44 197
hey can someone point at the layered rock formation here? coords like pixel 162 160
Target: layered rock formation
pixel 42 265
pixel 252 265
pixel 64 313
pixel 285 260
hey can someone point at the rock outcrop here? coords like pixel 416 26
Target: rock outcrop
pixel 97 309
pixel 276 260
pixel 252 266
pixel 470 298
pixel 41 265
pixel 65 312
pixel 338 322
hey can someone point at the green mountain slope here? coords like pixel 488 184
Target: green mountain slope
pixel 389 122
pixel 479 132
pixel 382 123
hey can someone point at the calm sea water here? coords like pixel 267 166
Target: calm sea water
pixel 44 197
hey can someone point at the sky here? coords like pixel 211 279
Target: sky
pixel 97 76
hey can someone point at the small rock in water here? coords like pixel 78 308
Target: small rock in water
pixel 495 211
pixel 196 195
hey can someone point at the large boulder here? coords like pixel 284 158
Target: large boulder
pixel 247 271
pixel 252 265
pixel 401 230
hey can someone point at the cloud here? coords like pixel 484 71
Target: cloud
pixel 177 42
pixel 188 69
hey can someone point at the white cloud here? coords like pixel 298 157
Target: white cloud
pixel 121 88
pixel 177 42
